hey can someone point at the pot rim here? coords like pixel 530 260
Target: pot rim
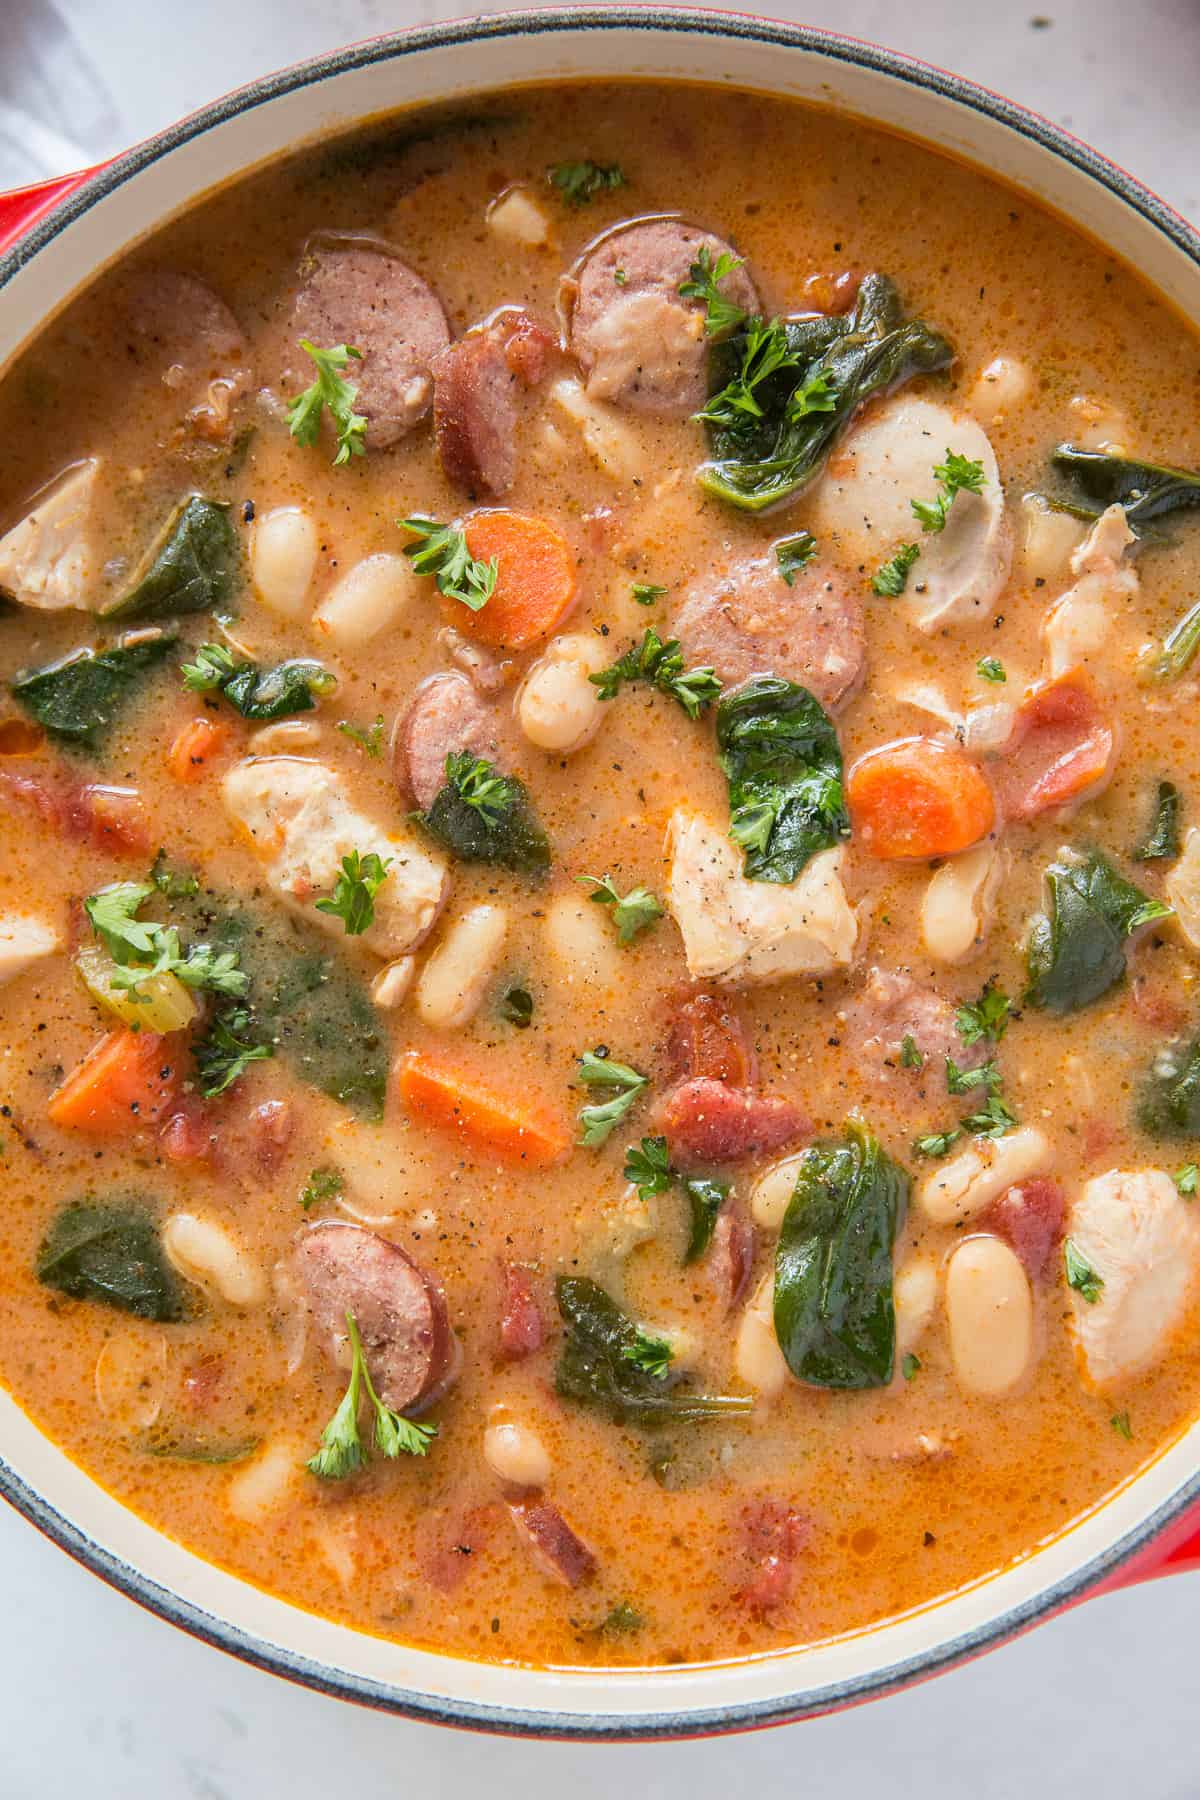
pixel 520 1721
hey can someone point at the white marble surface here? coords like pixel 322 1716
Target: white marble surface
pixel 97 1698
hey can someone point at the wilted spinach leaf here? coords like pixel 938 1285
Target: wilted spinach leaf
pixel 767 450
pixel 111 1254
pixel 782 759
pixel 1169 1102
pixel 594 1369
pixel 79 697
pixel 189 567
pixel 483 816
pixel 276 693
pixel 1146 490
pixel 1077 946
pixel 705 1198
pixel 1162 839
pixel 834 1315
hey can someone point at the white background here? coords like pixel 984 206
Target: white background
pixel 99 1700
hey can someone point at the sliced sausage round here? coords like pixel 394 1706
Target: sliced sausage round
pixel 360 293
pixel 708 1121
pixel 750 622
pixel 557 1549
pixel 446 714
pixel 639 341
pixel 399 1310
pixel 475 399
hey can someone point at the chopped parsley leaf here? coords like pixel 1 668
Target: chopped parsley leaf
pixel 661 664
pixel 647 592
pixel 601 1117
pixel 721 314
pixel 651 1355
pixel 991 669
pixel 910 1056
pixel 986 1017
pixel 1186 1180
pixel 910 1366
pixel 580 182
pixel 1081 1276
pixel 957 475
pixel 891 578
pixel 369 738
pixel 631 912
pixel 341 1450
pixel 1122 1427
pixel 332 391
pixel 322 1184
pixel 795 553
pixel 441 551
pixel 353 897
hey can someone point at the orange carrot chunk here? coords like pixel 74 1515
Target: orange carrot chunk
pixel 195 746
pixel 126 1081
pixel 522 1129
pixel 535 579
pixel 918 798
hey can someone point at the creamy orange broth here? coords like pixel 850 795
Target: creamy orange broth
pixel 802 195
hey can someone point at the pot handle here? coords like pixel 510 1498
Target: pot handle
pixel 1173 1552
pixel 21 208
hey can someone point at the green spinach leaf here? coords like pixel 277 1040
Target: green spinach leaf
pixel 1162 839
pixel 480 816
pixel 79 698
pixel 189 568
pixel 597 1366
pixel 278 693
pixel 788 390
pixel 705 1198
pixel 781 757
pixel 1169 1102
pixel 834 1314
pixel 111 1253
pixel 1146 490
pixel 1076 949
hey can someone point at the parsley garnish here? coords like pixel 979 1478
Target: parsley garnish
pixel 441 551
pixel 651 1355
pixel 142 947
pixel 910 1366
pixel 1186 1180
pixel 817 395
pixel 329 389
pixel 276 693
pixel 957 475
pixel 631 912
pixel 936 1143
pixel 991 669
pixel 477 783
pixel 597 1070
pixel 1080 1274
pixel 994 1119
pixel 910 1056
pixel 341 1450
pixel 171 882
pixel 721 314
pixel 1122 1427
pixel 322 1184
pixel 353 897
pixel 369 738
pixel 222 1057
pixel 961 1081
pixel 986 1017
pixel 648 1166
pixel 795 553
pixel 647 592
pixel 764 352
pixel 662 666
pixel 891 578
pixel 580 182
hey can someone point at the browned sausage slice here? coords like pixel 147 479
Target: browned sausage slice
pixel 475 399
pixel 399 1310
pixel 707 1121
pixel 750 622
pixel 638 340
pixel 446 714
pixel 556 1548
pixel 360 293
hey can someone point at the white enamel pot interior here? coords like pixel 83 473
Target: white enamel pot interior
pixel 98 223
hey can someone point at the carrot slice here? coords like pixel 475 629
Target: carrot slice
pixel 523 1129
pixel 195 746
pixel 125 1081
pixel 918 798
pixel 535 580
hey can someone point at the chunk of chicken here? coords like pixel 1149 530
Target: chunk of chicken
pixel 1133 1227
pixel 47 560
pixel 301 825
pixel 1182 888
pixel 24 941
pixel 1081 622
pixel 865 504
pixel 737 930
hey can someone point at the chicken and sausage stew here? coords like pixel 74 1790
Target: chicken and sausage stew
pixel 600 900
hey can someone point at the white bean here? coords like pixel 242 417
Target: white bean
pixel 283 557
pixel 1047 540
pixel 286 737
pixel 369 597
pixel 516 1453
pixel 610 442
pixel 264 1485
pixel 998 389
pixel 759 1361
pixel 131 1379
pixel 989 1308
pixel 963 1186
pixel 516 215
pixel 206 1253
pixel 914 1295
pixel 558 708
pixel 391 986
pixel 580 939
pixel 954 912
pixel 772 1192
pixel 451 985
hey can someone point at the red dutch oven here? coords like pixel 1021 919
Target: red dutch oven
pixel 53 239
